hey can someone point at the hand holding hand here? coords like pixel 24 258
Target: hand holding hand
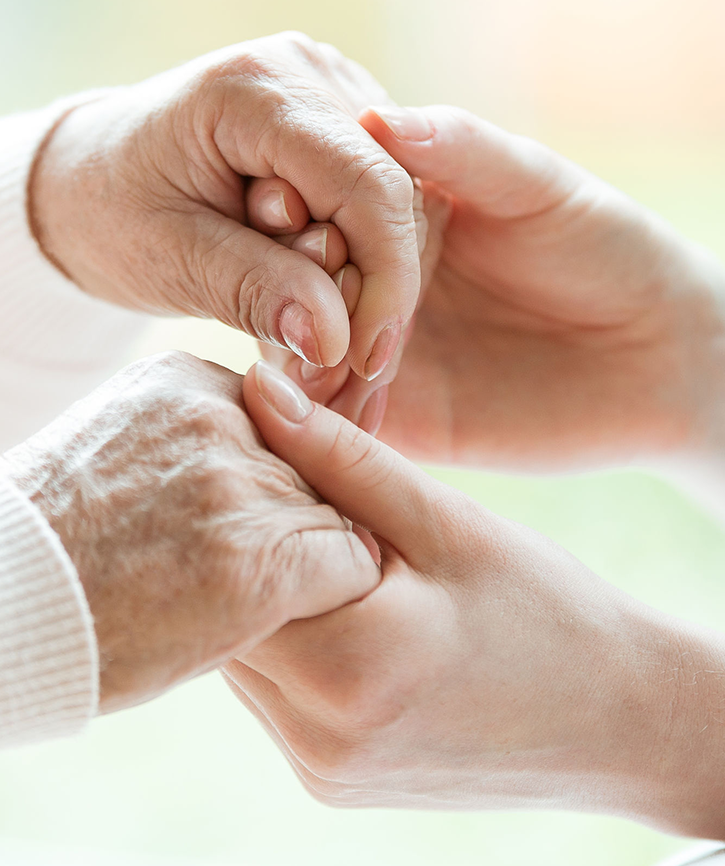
pixel 563 325
pixel 489 669
pixel 192 542
pixel 140 198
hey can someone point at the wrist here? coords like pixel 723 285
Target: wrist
pixel 664 761
pixel 64 186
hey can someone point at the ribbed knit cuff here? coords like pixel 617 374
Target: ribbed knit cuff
pixel 48 652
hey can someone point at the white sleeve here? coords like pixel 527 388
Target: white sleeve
pixel 48 651
pixel 56 342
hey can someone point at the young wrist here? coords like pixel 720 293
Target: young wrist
pixel 665 764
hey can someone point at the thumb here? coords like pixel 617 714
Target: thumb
pixel 505 175
pixel 251 282
pixel 362 478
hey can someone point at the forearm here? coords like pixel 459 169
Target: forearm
pixel 55 342
pixel 662 731
pixel 698 466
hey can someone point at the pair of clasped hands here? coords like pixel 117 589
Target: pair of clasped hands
pixel 403 645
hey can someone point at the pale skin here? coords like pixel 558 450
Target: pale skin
pixel 192 542
pixel 556 330
pixel 561 326
pixel 489 669
pixel 139 196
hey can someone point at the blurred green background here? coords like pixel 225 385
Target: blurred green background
pixel 633 89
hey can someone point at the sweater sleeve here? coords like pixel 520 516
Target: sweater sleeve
pixel 56 342
pixel 48 651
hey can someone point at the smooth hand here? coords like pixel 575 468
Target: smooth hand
pixel 139 197
pixel 192 542
pixel 489 669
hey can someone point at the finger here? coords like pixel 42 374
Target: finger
pixel 505 175
pixel 253 283
pixel 321 384
pixel 274 207
pixel 349 281
pixel 365 480
pixel 322 243
pixel 348 179
pixel 321 569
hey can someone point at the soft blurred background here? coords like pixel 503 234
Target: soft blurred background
pixel 633 89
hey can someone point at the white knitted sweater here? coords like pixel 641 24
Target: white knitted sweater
pixel 56 344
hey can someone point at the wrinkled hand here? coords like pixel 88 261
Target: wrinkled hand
pixel 489 669
pixel 140 198
pixel 563 325
pixel 192 542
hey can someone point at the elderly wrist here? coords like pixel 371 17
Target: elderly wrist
pixel 57 195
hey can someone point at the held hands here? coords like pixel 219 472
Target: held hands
pixel 561 324
pixel 192 542
pixel 140 198
pixel 488 669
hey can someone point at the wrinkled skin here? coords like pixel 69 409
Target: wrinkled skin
pixel 192 542
pixel 140 197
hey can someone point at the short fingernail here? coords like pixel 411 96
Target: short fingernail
pixel 314 245
pixel 281 393
pixel 272 210
pixel 409 124
pixel 310 373
pixel 383 351
pixel 373 411
pixel 349 282
pixel 298 329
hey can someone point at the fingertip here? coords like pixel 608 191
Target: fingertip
pixel 321 384
pixel 405 125
pixel 312 320
pixel 322 243
pixel 384 348
pixel 349 282
pixel 274 207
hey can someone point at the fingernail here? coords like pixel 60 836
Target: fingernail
pixel 373 411
pixel 281 393
pixel 340 277
pixel 408 124
pixel 383 351
pixel 297 327
pixel 314 245
pixel 349 282
pixel 310 373
pixel 272 210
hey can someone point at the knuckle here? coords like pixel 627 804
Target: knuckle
pixel 304 44
pixel 388 182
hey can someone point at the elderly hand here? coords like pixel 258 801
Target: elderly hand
pixel 192 542
pixel 140 198
pixel 563 326
pixel 489 669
